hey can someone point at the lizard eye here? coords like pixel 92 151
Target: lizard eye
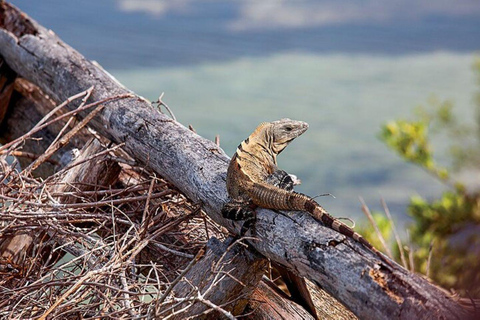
pixel 288 128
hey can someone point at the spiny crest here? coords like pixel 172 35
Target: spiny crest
pixel 260 130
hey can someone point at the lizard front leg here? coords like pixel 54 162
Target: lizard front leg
pixel 241 209
pixel 281 179
pixel 238 210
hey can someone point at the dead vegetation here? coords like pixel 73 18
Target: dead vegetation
pixel 74 248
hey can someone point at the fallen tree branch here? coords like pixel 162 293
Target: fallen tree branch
pixel 224 266
pixel 197 167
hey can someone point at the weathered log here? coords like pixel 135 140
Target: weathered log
pixel 229 276
pixel 269 304
pixel 226 276
pixel 297 288
pixel 345 269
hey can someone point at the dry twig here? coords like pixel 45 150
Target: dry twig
pixel 395 233
pixel 374 224
pixel 96 254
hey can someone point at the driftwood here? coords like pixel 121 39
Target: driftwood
pixel 345 269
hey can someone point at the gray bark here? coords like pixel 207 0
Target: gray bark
pixel 345 269
pixel 267 304
pixel 226 275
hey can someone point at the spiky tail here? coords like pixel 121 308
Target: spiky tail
pixel 270 197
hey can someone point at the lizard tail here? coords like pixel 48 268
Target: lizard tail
pixel 321 214
pixel 270 197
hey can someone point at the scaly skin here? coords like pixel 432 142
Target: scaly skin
pixel 254 166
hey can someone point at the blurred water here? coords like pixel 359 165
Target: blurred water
pixel 343 68
pixel 344 98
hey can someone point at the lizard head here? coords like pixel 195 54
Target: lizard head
pixel 282 132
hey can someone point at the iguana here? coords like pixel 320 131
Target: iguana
pixel 252 170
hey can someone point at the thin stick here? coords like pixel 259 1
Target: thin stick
pixel 430 251
pixel 161 103
pixel 210 304
pixel 65 115
pixel 74 288
pixel 84 100
pixel 200 254
pixel 48 115
pixel 147 215
pixel 375 226
pixel 126 295
pixel 57 145
pixel 33 156
pixel 85 93
pixel 90 158
pixel 395 233
pixel 410 254
pixel 90 204
pixel 109 192
pixel 175 252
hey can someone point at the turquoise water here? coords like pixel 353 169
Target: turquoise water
pixel 345 98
